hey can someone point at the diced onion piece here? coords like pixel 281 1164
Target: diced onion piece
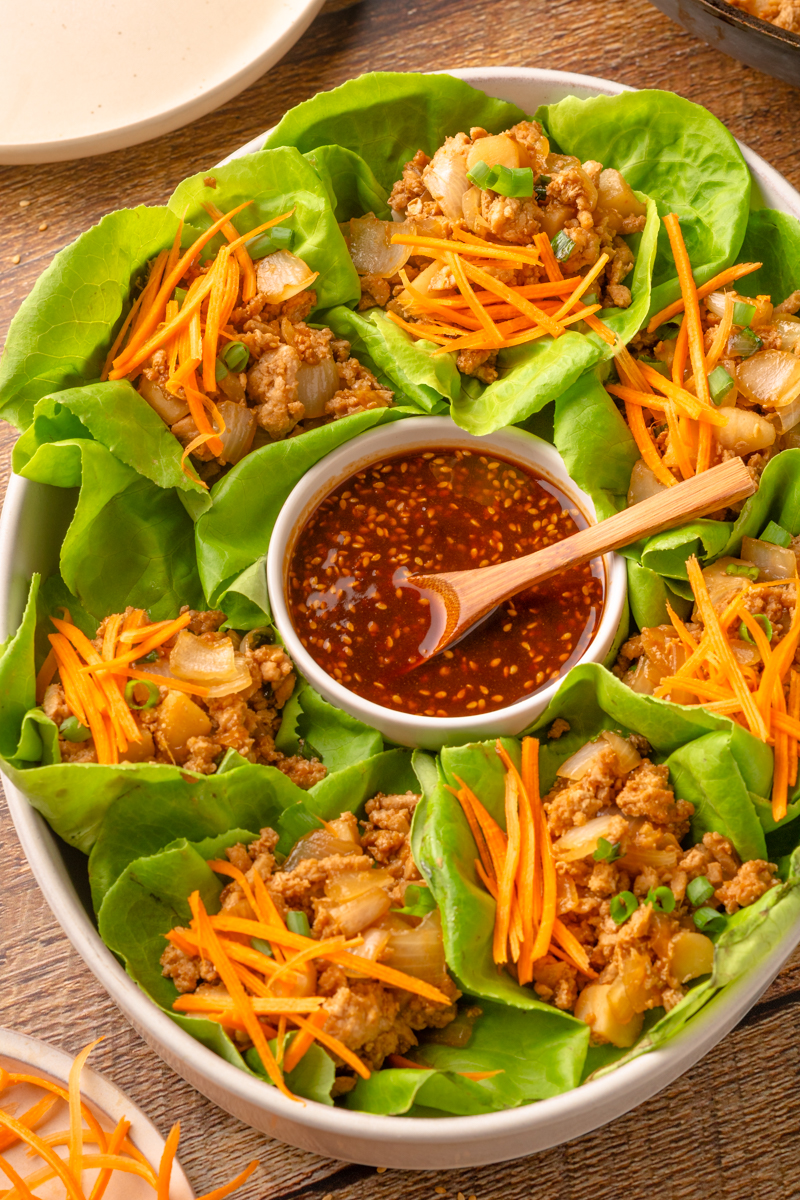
pixel 365 909
pixel 554 218
pixel 579 763
pixel 745 431
pixel 231 387
pixel 240 427
pixel 773 562
pixel 628 756
pixel 419 951
pixel 595 1007
pixel 745 655
pixel 179 719
pixel 560 162
pixel 644 483
pixel 566 893
pixel 789 329
pixel 471 205
pixel 445 177
pixel 664 654
pixel 581 841
pixel 282 275
pixel 661 857
pixel 691 955
pixel 346 885
pixel 770 378
pixel 316 384
pixel 498 150
pixel 372 249
pixel 722 587
pixel 318 844
pixel 787 417
pixel 715 303
pixel 252 638
pixel 169 408
pixel 374 945
pixel 202 660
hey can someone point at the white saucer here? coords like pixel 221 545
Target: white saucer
pixel 27 1056
pixel 85 78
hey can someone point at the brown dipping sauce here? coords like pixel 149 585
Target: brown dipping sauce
pixel 438 511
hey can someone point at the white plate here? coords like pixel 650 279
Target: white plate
pixel 28 1056
pixel 86 77
pixel 32 525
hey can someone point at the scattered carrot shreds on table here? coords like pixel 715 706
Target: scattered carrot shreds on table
pixel 263 986
pixel 765 700
pixel 478 311
pixel 111 1151
pixel 518 870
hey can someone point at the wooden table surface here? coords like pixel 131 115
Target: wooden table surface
pixel 730 1127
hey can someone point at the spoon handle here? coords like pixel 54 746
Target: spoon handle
pixel 717 488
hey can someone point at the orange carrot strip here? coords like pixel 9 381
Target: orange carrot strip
pixel 529 879
pixel 243 258
pixel 224 967
pixel 416 331
pixel 247 237
pixel 32 1117
pixel 10 1078
pixel 118 340
pixel 486 250
pixel 683 398
pixel 227 1189
pixel 175 685
pixel 494 835
pixel 568 942
pixel 549 889
pixel 681 355
pixel 230 295
pixel 509 873
pixel 75 1115
pixel 273 1006
pixel 54 1161
pixel 549 260
pixel 126 364
pixel 646 446
pixel 333 1044
pixel 46 674
pixel 597 326
pixel 151 643
pixel 115 1144
pixel 695 330
pixel 211 334
pixel 22 1189
pixel 303 1039
pixel 167 1159
pixel 536 314
pixel 721 336
pixel 465 287
pixel 399 1060
pixel 488 881
pixel 794 712
pixel 87 712
pixel 583 286
pixel 723 650
pixel 729 275
pixel 125 727
pixel 480 841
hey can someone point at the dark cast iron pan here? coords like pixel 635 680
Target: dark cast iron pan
pixel 749 39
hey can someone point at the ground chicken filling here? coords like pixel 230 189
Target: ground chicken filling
pixel 296 378
pixel 617 831
pixel 594 208
pixel 758 380
pixel 348 879
pixel 192 731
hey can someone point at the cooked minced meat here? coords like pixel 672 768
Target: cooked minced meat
pixel 645 961
pixel 345 878
pixel 196 733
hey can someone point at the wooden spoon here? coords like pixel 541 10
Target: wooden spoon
pixel 468 596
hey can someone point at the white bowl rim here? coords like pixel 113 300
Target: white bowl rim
pixel 489 1138
pixel 332 470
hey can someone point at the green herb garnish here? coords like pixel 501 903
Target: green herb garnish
pixel 262 946
pixel 776 535
pixel 743 570
pixel 747 342
pixel 540 188
pixel 743 313
pixel 562 245
pixel 662 899
pixel 763 621
pixel 720 383
pixel 153 694
pixel 278 238
pixel 607 851
pixel 506 181
pixel 622 906
pixel 236 356
pixel 699 890
pixel 297 922
pixel 72 730
pixel 709 920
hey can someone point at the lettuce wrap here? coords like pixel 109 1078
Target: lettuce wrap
pixel 715 764
pixel 75 798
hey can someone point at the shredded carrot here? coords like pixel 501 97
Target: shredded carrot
pixel 681 355
pixel 19 1183
pixel 131 360
pixel 175 685
pixel 536 314
pixel 597 326
pixel 228 1188
pixel 303 1040
pixel 118 340
pixel 483 250
pixel 646 445
pixel 568 942
pixel 213 314
pixel 549 260
pixel 32 1117
pixel 465 287
pixel 794 712
pixel 54 1161
pixel 463 798
pixel 115 1143
pixel 494 835
pixel 151 643
pixel 695 330
pixel 721 336
pixel 507 878
pixel 582 286
pixel 167 1159
pixel 729 275
pixel 46 674
pixel 242 253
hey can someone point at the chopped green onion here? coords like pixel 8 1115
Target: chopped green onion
pixel 282 236
pixel 153 694
pixel 720 383
pixel 743 570
pixel 743 313
pixel 622 906
pixel 151 657
pixel 776 534
pixel 479 174
pixel 709 920
pixel 179 294
pixel 744 343
pixel 662 899
pixel 278 238
pixel 220 370
pixel 540 188
pixel 72 730
pixel 656 364
pixel 297 922
pixel 236 356
pixel 766 624
pixel 262 946
pixel 607 851
pixel 699 890
pixel 506 181
pixel 562 245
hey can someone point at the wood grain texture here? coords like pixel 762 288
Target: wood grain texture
pixel 729 1128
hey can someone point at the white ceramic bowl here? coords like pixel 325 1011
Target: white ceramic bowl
pixel 406 437
pixel 28 1056
pixel 33 523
